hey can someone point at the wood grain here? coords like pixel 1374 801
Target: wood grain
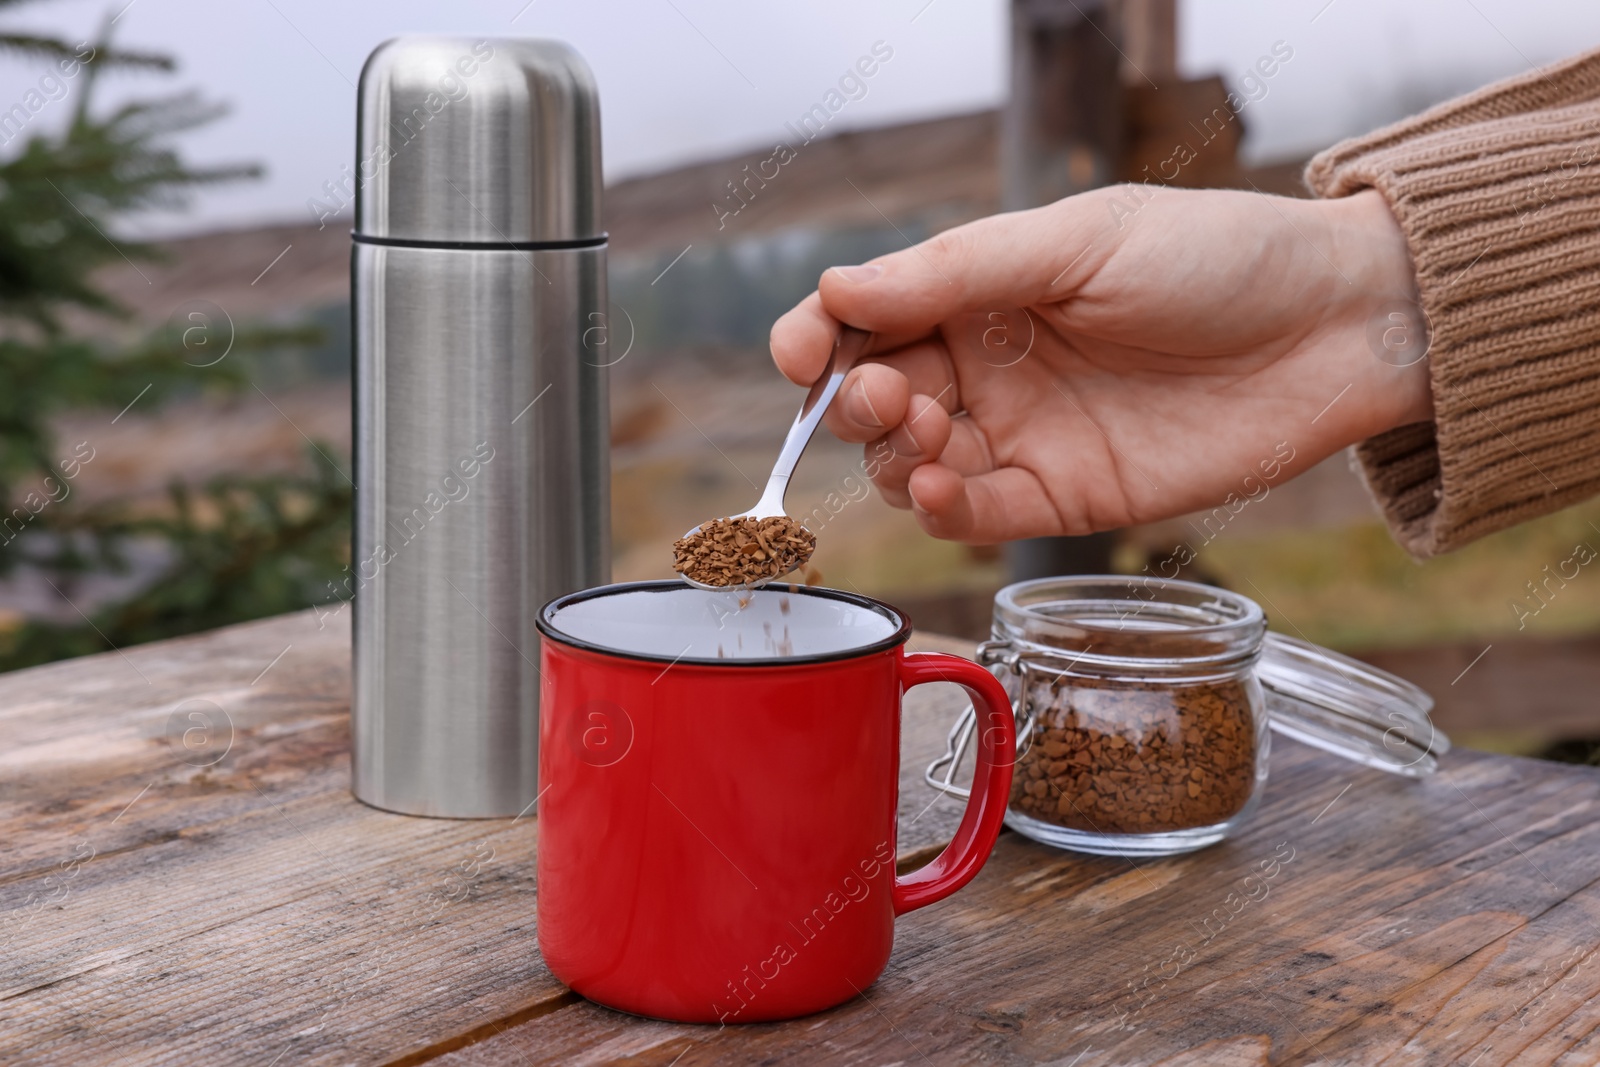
pixel 1449 921
pixel 250 911
pixel 155 905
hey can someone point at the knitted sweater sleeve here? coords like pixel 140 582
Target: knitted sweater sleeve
pixel 1498 193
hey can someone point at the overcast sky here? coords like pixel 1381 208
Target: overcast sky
pixel 685 79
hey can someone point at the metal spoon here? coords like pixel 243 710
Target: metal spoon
pixel 847 348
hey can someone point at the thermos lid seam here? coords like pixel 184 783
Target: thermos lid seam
pixel 482 246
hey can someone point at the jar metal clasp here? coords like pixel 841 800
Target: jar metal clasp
pixel 991 653
pixel 941 773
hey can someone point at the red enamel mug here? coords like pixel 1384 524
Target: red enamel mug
pixel 719 776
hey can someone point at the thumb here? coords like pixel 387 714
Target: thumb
pixel 1010 260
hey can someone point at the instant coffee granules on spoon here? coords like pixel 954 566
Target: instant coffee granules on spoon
pixel 743 551
pixel 1135 758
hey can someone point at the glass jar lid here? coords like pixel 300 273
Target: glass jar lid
pixel 1348 708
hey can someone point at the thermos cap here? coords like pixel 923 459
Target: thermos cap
pixel 491 141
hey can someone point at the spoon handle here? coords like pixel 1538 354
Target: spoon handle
pixel 846 350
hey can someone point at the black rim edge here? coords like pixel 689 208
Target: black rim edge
pixel 899 637
pixel 481 246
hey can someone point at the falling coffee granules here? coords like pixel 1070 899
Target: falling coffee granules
pixel 737 552
pixel 1132 758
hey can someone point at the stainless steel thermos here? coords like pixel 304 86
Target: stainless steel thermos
pixel 478 282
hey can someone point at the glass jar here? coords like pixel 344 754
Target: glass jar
pixel 1145 708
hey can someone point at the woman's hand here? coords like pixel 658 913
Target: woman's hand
pixel 1117 357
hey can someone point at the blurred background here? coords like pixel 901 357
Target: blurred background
pixel 175 189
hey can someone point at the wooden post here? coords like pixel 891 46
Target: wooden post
pixel 1095 99
pixel 1149 41
pixel 1061 129
pixel 1062 132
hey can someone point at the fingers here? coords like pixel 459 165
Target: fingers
pixel 967 452
pixel 876 394
pixel 920 439
pixel 996 506
pixel 802 339
pixel 1009 260
pixel 1006 261
pixel 872 401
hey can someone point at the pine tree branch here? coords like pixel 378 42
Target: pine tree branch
pixel 51 48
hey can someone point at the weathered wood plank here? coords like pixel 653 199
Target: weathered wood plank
pixel 250 905
pixel 85 737
pixel 1426 922
pixel 251 909
pixel 154 904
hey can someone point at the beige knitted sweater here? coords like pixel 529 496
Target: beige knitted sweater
pixel 1498 193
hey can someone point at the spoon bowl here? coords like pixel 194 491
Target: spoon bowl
pixel 743 587
pixel 847 349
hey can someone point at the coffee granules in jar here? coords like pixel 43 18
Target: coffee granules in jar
pixel 1120 757
pixel 1145 711
pixel 740 551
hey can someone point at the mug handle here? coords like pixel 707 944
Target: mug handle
pixel 966 853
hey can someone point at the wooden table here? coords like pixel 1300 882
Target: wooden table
pixel 175 891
